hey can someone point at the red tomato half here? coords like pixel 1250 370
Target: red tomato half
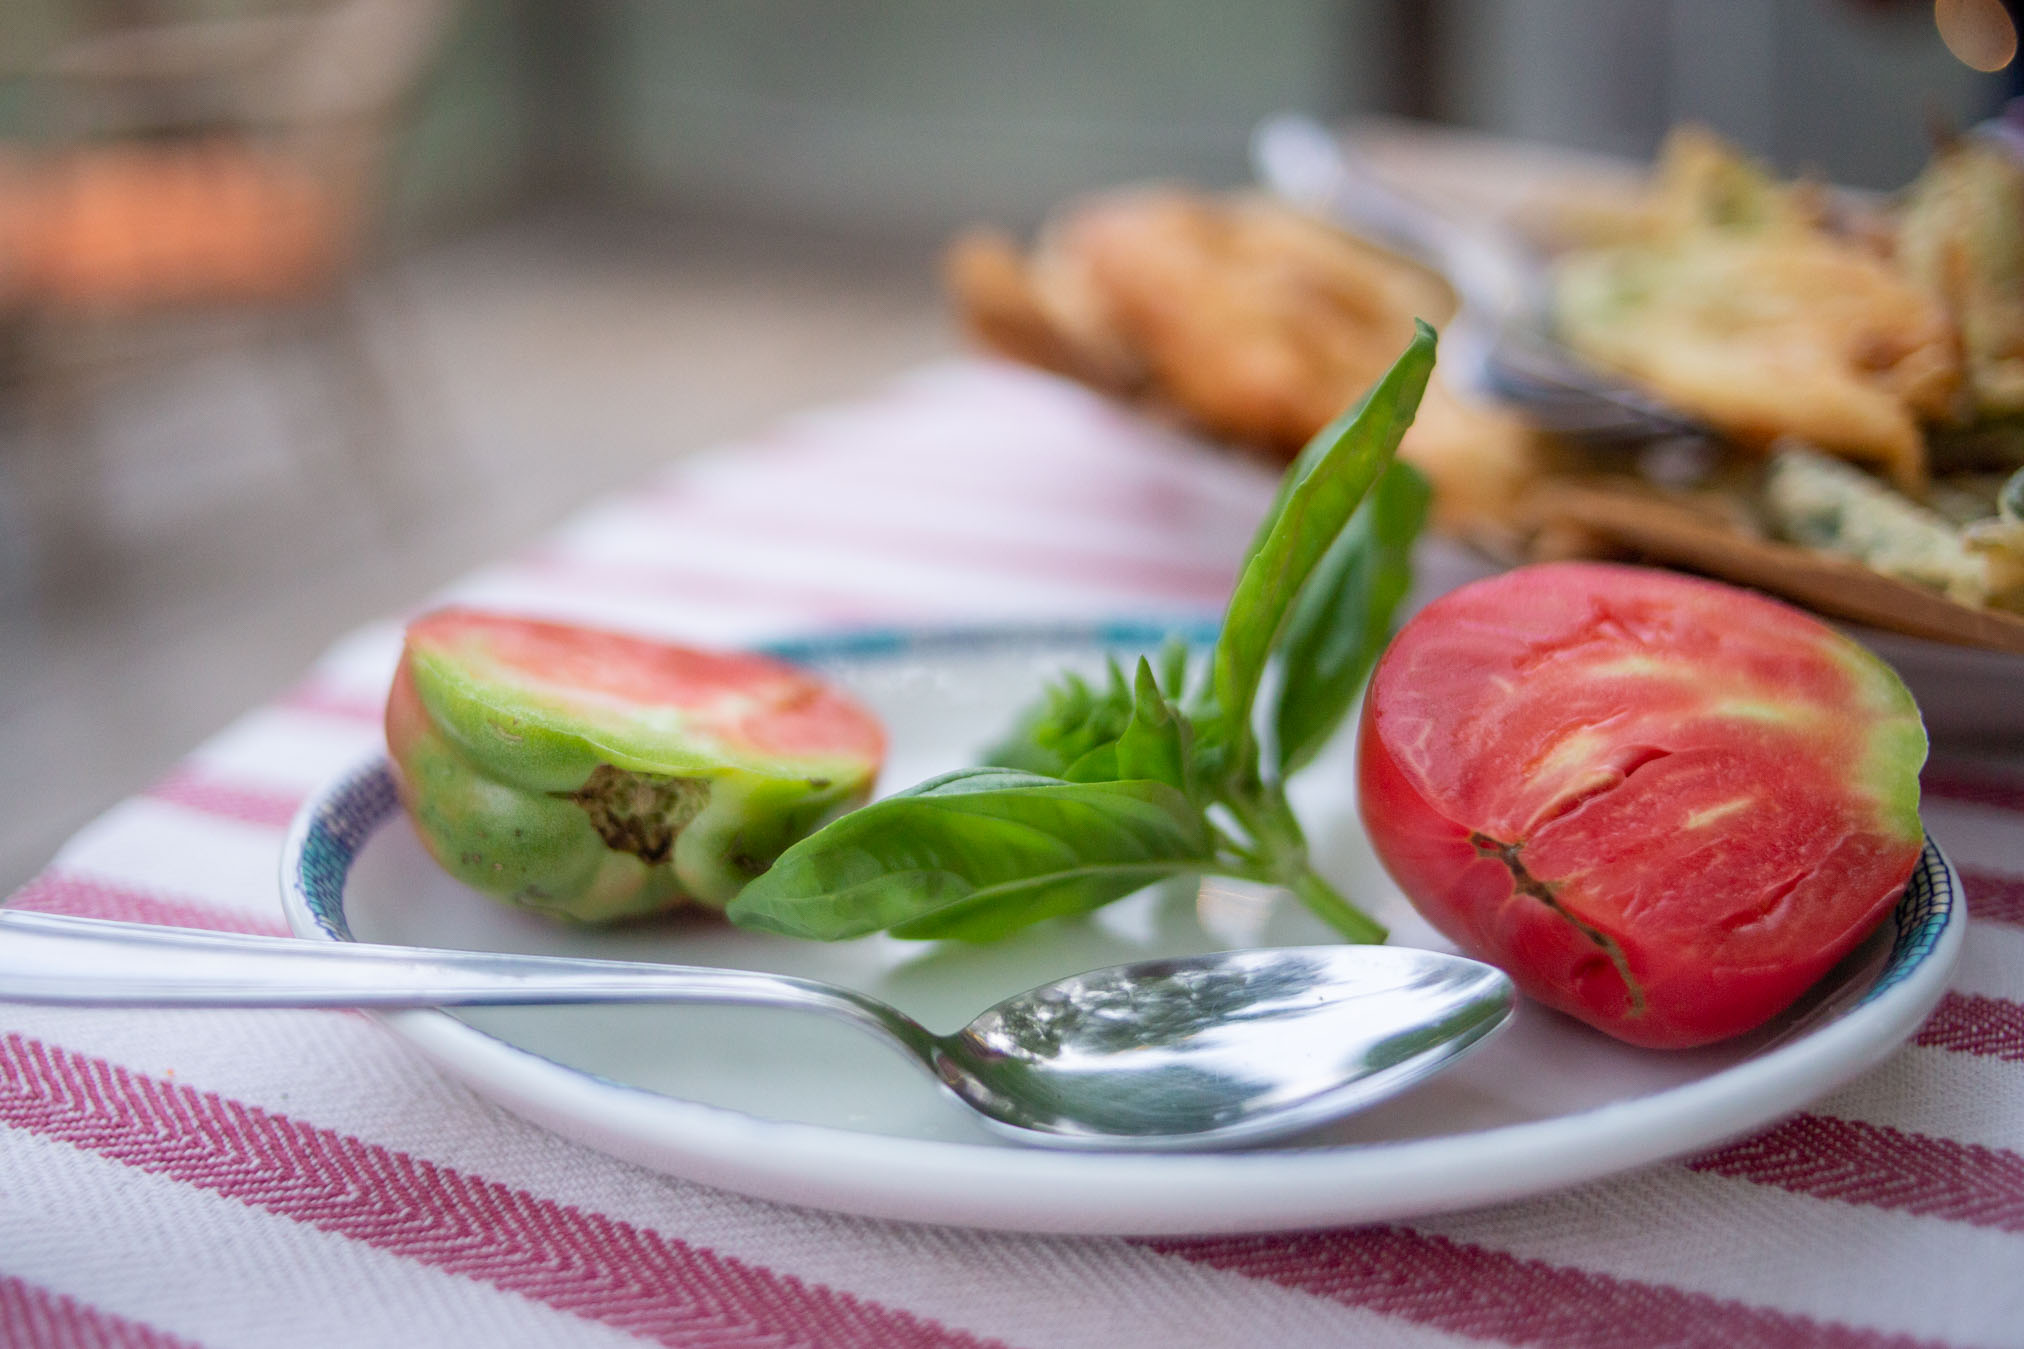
pixel 1663 805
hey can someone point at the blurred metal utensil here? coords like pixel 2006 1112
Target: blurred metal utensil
pixel 1194 1052
pixel 1497 342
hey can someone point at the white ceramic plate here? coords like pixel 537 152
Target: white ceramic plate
pixel 788 1107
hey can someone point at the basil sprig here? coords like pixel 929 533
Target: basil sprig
pixel 1100 791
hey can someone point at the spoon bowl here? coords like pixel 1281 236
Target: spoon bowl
pixel 1219 1049
pixel 1199 1052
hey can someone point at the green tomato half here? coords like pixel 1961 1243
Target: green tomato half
pixel 598 776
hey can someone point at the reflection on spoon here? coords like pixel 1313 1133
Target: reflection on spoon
pixel 1194 1052
pixel 1236 1046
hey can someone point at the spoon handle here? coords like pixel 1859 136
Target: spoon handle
pixel 98 962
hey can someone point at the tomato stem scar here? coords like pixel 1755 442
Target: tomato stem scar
pixel 1525 883
pixel 639 813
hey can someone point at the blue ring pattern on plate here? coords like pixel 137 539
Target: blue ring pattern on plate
pixel 340 827
pixel 886 643
pixel 366 800
pixel 1921 915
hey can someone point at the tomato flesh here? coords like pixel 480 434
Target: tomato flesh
pixel 739 700
pixel 1665 806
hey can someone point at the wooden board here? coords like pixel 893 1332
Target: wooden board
pixel 1677 534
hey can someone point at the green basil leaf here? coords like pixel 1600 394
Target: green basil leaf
pixel 1174 670
pixel 1099 765
pixel 976 853
pixel 1152 745
pixel 1068 722
pixel 1158 744
pixel 1344 615
pixel 997 913
pixel 1315 501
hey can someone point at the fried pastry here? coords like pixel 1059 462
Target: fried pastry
pixel 1961 236
pixel 1250 320
pixel 1742 308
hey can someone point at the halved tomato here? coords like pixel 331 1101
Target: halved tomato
pixel 598 775
pixel 1664 805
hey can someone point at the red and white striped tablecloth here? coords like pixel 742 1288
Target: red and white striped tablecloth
pixel 303 1178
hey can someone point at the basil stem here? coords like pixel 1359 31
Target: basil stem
pixel 1102 790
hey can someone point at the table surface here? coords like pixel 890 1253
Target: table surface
pixel 279 1178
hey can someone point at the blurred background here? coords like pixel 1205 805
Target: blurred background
pixel 307 306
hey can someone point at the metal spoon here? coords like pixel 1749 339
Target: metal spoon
pixel 1196 1052
pixel 1496 342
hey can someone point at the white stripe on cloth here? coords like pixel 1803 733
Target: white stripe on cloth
pixel 846 582
pixel 280 749
pixel 1760 1245
pixel 147 844
pixel 988 407
pixel 1964 1097
pixel 362 661
pixel 1992 960
pixel 1019 517
pixel 223 1274
pixel 1164 499
pixel 692 618
pixel 1096 1294
pixel 1976 836
pixel 690 557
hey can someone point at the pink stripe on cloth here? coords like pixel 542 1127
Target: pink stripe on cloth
pixel 827 603
pixel 1876 1166
pixel 1472 1290
pixel 1993 897
pixel 1166 550
pixel 32 1317
pixel 1970 1023
pixel 193 789
pixel 929 546
pixel 599 1268
pixel 1145 500
pixel 321 699
pixel 57 891
pixel 1971 785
